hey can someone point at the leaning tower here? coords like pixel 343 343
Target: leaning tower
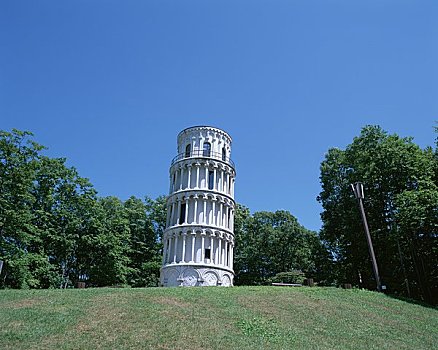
pixel 199 240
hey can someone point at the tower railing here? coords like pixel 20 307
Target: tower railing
pixel 199 153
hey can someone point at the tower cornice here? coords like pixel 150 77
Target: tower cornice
pixel 206 128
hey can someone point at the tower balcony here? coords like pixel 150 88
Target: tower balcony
pixel 203 154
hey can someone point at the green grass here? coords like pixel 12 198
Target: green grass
pixel 213 318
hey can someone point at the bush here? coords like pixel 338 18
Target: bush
pixel 294 276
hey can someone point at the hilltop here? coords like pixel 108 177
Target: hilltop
pixel 213 318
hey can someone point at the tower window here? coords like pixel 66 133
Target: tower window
pixel 207 253
pixel 188 151
pixel 182 216
pixel 206 149
pixel 210 180
pixel 224 154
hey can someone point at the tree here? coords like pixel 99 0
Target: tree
pixel 269 243
pixel 111 244
pixel 417 219
pixel 18 160
pixel 389 167
pixel 64 211
pixel 157 213
pixel 143 244
pixel 55 230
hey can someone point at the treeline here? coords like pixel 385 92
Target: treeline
pixel 274 247
pixel 401 204
pixel 56 231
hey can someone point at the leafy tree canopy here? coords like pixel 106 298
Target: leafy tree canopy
pixel 401 204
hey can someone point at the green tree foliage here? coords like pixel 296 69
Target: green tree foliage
pixel 19 157
pixel 62 216
pixel 295 276
pixel 401 206
pixel 111 244
pixel 270 243
pixel 55 231
pixel 145 257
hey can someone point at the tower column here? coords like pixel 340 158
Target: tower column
pixel 206 177
pixel 181 178
pixel 192 153
pixel 168 212
pixel 179 213
pixel 195 210
pixel 225 252
pixel 193 246
pixel 202 246
pixel 172 219
pixel 220 251
pixel 189 176
pixel 212 259
pixel 204 217
pixel 197 176
pixel 176 246
pixel 213 214
pixel 183 259
pixel 169 247
pixel 164 251
pixel 187 211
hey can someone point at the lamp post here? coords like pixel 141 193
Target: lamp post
pixel 359 194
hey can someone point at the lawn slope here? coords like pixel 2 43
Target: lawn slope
pixel 213 318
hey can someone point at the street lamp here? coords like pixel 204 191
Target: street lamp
pixel 359 194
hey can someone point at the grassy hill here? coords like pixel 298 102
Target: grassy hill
pixel 213 318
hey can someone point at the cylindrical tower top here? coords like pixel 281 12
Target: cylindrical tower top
pixel 204 128
pixel 205 142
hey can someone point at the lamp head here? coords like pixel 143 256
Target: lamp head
pixel 358 190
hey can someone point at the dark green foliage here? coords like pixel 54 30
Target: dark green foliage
pixel 18 163
pixel 294 276
pixel 142 239
pixel 269 243
pixel 55 231
pixel 401 206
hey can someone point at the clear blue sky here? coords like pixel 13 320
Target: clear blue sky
pixel 109 84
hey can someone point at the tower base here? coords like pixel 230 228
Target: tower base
pixel 190 276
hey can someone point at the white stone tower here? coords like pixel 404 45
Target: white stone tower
pixel 198 239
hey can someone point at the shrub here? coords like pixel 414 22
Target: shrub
pixel 294 276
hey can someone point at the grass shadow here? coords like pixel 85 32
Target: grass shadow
pixel 413 301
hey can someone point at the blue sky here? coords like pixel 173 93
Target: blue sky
pixel 109 84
